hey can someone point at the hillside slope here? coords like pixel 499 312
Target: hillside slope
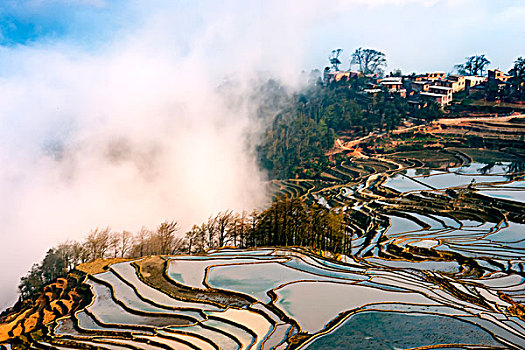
pixel 431 256
pixel 280 299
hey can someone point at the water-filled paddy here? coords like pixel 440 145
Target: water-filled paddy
pixel 192 272
pixel 126 294
pixel 516 195
pixel 412 181
pixel 300 300
pixel 256 279
pixel 300 292
pixel 389 330
pixel 224 341
pixel 442 181
pixel 482 168
pixel 403 183
pixel 399 225
pixel 437 264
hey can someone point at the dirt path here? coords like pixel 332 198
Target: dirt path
pixel 456 121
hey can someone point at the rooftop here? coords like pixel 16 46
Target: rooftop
pixel 431 94
pixel 390 83
pixel 343 72
pixel 392 79
pixel 444 88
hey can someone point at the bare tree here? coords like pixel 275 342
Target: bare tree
pixel 211 230
pixel 370 61
pixel 234 229
pixel 126 243
pixel 114 243
pixel 252 225
pixel 65 252
pixel 79 252
pixel 142 243
pixel 196 238
pixel 179 245
pixel 239 227
pixel 164 238
pixel 98 242
pixel 121 243
pixel 223 220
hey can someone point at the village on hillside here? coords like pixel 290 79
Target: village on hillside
pixel 494 86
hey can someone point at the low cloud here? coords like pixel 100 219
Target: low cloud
pixel 125 136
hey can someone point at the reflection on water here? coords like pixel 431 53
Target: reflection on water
pixel 391 303
pixel 389 330
pixel 402 183
pixel 516 167
pixel 437 261
pixel 483 168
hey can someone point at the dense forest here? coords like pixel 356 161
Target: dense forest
pixel 296 142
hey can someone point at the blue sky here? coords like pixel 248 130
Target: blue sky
pixel 28 21
pixel 415 35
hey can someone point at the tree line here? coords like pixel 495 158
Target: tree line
pixel 101 243
pixel 368 61
pixel 514 91
pixel 286 222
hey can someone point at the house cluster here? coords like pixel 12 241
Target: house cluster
pixel 418 88
pixel 436 86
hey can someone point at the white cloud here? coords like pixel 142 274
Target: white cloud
pixel 511 13
pixel 126 137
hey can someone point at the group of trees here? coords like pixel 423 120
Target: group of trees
pixel 292 222
pixel 368 61
pixel 477 65
pixel 225 229
pixel 287 222
pixel 295 142
pixel 474 65
pixel 101 243
pixel 518 77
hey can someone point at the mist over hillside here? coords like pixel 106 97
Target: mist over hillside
pixel 112 117
pixel 127 136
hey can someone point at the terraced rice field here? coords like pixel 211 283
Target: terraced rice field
pixel 437 261
pixel 440 214
pixel 282 298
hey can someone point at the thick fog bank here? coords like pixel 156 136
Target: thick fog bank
pixel 132 133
